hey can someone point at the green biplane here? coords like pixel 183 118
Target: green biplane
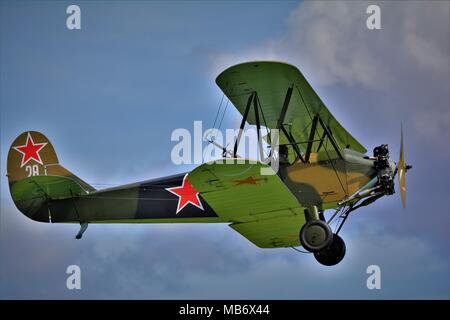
pixel 321 166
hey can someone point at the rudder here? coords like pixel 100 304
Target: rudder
pixel 35 176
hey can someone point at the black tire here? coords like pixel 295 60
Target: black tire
pixel 333 254
pixel 315 235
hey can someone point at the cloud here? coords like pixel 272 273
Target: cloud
pixel 204 261
pixel 401 70
pixel 397 73
pixel 331 41
pixel 425 38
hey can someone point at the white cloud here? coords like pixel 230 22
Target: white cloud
pixel 330 41
pixel 426 36
pixel 402 69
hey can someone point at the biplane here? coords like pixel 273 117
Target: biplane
pixel 322 167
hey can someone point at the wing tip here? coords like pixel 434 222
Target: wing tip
pixel 255 63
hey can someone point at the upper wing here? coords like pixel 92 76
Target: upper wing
pixel 262 208
pixel 271 82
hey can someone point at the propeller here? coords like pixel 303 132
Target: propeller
pixel 402 168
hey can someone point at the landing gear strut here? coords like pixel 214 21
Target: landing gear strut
pixel 316 237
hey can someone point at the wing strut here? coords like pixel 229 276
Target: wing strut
pixel 326 131
pixel 287 99
pixel 330 137
pixel 244 119
pixel 258 126
pixel 293 143
pixel 257 106
pixel 311 137
pixel 280 124
pixel 253 99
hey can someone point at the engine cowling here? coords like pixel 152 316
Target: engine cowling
pixel 384 170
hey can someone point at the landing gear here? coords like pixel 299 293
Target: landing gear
pixel 333 254
pixel 316 235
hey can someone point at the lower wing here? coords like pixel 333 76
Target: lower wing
pixel 261 207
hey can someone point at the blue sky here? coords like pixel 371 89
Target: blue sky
pixel 108 97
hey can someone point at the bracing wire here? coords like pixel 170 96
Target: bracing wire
pixel 218 111
pixel 223 114
pixel 225 109
pixel 335 170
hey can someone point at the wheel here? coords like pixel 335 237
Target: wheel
pixel 315 235
pixel 333 254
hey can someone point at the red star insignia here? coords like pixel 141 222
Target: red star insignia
pixel 248 180
pixel 30 150
pixel 186 194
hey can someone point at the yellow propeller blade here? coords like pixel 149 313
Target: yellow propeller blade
pixel 401 167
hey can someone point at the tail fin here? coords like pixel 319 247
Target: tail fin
pixel 36 177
